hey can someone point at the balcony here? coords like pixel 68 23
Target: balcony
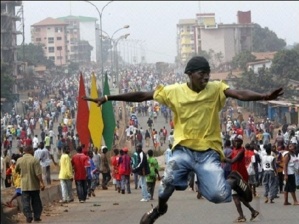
pixel 16 3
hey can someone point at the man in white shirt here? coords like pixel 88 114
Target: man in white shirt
pixel 35 142
pixel 168 153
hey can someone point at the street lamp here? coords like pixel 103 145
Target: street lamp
pixel 115 47
pixel 101 34
pixel 111 40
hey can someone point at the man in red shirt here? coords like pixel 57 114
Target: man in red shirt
pixel 80 164
pixel 239 171
pixel 28 141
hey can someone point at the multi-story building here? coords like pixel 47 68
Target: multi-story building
pixel 9 34
pixel 206 35
pixel 186 39
pixel 81 28
pixel 52 35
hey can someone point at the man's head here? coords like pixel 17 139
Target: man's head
pixel 41 145
pixel 90 154
pixel 125 150
pixel 138 147
pixel 28 150
pixel 104 149
pixel 198 70
pixel 150 153
pixel 116 151
pixel 79 149
pixel 66 149
pixel 238 141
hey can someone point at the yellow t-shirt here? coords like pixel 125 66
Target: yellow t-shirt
pixel 16 178
pixel 196 115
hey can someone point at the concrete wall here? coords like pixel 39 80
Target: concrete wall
pixel 49 195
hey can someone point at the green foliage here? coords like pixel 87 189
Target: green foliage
pixel 34 55
pixel 262 82
pixel 73 68
pixel 205 54
pixel 286 64
pixel 266 40
pixel 240 60
pixel 296 48
pixel 6 83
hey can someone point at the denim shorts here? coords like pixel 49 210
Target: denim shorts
pixel 206 165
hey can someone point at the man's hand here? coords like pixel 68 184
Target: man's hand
pixel 99 101
pixel 274 94
pixel 42 186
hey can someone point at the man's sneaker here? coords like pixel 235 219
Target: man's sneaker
pixel 151 216
pixel 143 199
pixel 242 188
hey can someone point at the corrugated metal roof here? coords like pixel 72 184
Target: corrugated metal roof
pixel 264 55
pixel 79 18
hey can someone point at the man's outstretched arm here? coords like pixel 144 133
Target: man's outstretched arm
pixel 127 97
pixel 248 95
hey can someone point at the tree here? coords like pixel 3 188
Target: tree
pixel 241 60
pixel 205 54
pixel 286 64
pixel 264 81
pixel 73 68
pixel 34 55
pixel 266 40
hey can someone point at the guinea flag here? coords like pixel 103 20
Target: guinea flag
pixel 95 123
pixel 108 117
pixel 82 115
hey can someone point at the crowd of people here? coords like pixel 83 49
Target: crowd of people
pixel 268 159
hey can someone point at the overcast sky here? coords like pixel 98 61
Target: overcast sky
pixel 154 22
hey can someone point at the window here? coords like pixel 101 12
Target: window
pixel 50 40
pixel 37 29
pixel 58 29
pixel 59 57
pixel 38 39
pixel 58 38
pixel 59 48
pixel 52 58
pixel 51 49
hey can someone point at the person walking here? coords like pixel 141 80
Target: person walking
pixel 238 162
pixel 125 170
pixel 197 142
pixel 152 177
pixel 270 173
pixel 116 177
pixel 97 162
pixel 80 163
pixel 168 154
pixel 66 176
pixel 143 170
pixel 134 163
pixel 105 168
pixel 289 158
pixel 31 183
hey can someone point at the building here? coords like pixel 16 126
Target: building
pixel 9 34
pixel 262 60
pixel 185 40
pixel 52 35
pixel 81 28
pixel 204 34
